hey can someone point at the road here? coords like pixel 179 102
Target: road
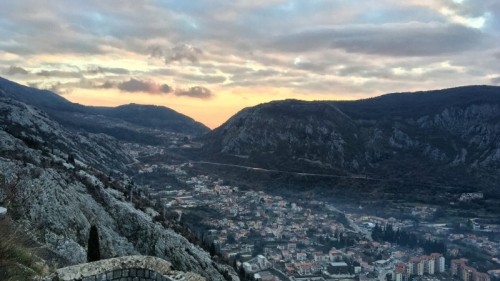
pixel 362 177
pixel 353 225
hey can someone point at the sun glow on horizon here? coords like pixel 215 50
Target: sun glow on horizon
pixel 211 64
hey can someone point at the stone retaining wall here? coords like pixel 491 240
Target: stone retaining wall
pixel 130 274
pixel 130 268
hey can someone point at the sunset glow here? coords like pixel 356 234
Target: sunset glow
pixel 210 59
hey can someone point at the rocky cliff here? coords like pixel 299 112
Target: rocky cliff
pixel 451 134
pixel 59 183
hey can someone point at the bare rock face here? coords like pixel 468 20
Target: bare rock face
pixel 57 186
pixel 454 131
pixel 24 126
pixel 293 130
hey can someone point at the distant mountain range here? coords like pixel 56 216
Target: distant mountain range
pixel 449 136
pixel 404 142
pixel 133 122
pixel 398 148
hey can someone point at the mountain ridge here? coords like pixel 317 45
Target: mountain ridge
pixel 446 135
pixel 99 119
pixel 59 182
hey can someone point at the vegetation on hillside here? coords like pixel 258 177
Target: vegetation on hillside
pixel 18 260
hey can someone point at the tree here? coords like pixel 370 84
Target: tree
pixel 241 273
pixel 213 250
pixel 231 239
pixel 93 251
pixel 71 159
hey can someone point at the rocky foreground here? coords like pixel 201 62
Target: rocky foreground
pixel 58 183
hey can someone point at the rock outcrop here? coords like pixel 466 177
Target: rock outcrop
pixel 453 133
pixel 59 183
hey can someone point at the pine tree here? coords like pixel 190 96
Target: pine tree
pixel 212 249
pixel 71 159
pixel 93 251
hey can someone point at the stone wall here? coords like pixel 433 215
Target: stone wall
pixel 128 274
pixel 130 268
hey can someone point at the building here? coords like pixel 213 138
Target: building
pixel 265 276
pixel 304 268
pixel 460 269
pixel 320 257
pixel 338 268
pixel 455 266
pixel 256 264
pixel 263 262
pixel 430 265
pixel 480 276
pixel 400 272
pixel 417 266
pixel 334 254
pixel 301 256
pixel 439 262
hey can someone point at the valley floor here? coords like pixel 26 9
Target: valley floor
pixel 300 234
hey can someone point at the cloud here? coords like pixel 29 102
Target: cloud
pixel 59 73
pixel 107 85
pixel 407 39
pixel 14 70
pixel 146 86
pixel 364 71
pixel 156 52
pixel 164 88
pixel 105 70
pixel 59 88
pixel 34 84
pixel 214 79
pixel 495 80
pixel 194 92
pixel 134 85
pixel 178 53
pixel 308 47
pixel 305 64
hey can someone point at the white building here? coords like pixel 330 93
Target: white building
pixel 439 262
pixel 429 266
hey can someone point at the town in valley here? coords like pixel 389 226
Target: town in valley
pixel 266 236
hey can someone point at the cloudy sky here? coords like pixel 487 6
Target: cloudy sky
pixel 210 58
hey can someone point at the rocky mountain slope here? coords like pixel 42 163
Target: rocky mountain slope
pixel 133 122
pixel 450 135
pixel 59 183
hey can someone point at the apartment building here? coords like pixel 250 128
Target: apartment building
pixel 460 269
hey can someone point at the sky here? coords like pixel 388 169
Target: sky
pixel 208 59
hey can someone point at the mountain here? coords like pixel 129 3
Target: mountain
pixel 60 182
pixel 133 122
pixel 449 137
